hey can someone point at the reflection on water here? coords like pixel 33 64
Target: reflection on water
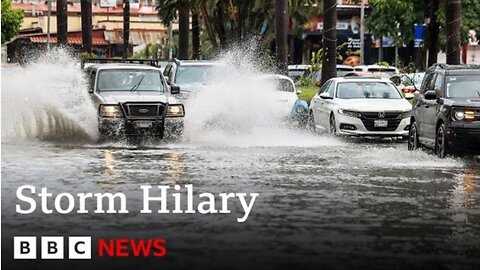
pixel 109 163
pixel 175 167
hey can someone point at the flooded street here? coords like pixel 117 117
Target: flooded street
pixel 323 201
pixel 335 198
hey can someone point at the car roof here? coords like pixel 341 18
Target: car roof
pixel 197 63
pixel 275 76
pixel 122 66
pixel 456 69
pixel 359 79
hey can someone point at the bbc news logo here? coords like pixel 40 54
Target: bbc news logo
pixel 80 247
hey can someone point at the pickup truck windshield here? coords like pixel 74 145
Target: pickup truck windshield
pixel 467 86
pixel 129 80
pixel 379 90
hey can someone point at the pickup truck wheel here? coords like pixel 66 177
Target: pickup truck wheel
pixel 441 146
pixel 413 143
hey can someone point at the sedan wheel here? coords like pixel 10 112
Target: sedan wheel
pixel 441 142
pixel 311 122
pixel 333 125
pixel 413 137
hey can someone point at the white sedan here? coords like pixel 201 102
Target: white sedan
pixel 358 106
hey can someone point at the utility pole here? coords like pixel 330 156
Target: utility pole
pixel 48 23
pixel 453 14
pixel 126 28
pixel 281 29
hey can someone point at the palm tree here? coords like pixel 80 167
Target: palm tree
pixel 126 28
pixel 62 22
pixel 183 32
pixel 433 32
pixel 86 12
pixel 453 14
pixel 195 34
pixel 281 30
pixel 167 11
pixel 329 63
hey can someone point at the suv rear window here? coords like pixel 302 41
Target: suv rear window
pixel 465 86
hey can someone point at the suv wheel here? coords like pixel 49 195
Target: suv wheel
pixel 413 143
pixel 441 147
pixel 333 125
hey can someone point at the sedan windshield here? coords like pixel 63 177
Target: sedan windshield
pixel 379 90
pixel 463 86
pixel 129 80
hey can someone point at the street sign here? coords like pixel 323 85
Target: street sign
pixel 419 33
pixel 108 3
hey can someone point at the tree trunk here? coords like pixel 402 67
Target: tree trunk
pixel 453 20
pixel 208 25
pixel 86 11
pixel 195 35
pixel 183 32
pixel 434 33
pixel 126 28
pixel 380 50
pixel 62 22
pixel 329 61
pixel 281 29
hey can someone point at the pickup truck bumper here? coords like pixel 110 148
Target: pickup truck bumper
pixel 119 127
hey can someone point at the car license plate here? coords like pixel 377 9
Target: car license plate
pixel 380 123
pixel 143 124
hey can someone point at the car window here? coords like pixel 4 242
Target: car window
pixel 129 80
pixel 91 81
pixel 428 83
pixel 467 86
pixel 167 70
pixel 188 75
pixel 372 90
pixel 331 90
pixel 324 87
pixel 438 85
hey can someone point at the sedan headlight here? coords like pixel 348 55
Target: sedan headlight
pixel 110 111
pixel 404 115
pixel 350 113
pixel 175 110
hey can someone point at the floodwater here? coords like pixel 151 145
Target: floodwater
pixel 323 201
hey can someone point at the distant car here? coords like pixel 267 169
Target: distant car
pixel 295 72
pixel 132 100
pixel 413 82
pixel 360 107
pixel 446 112
pixel 190 75
pixel 372 69
pixel 342 70
pixel 287 97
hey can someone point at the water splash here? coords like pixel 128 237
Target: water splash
pixel 47 100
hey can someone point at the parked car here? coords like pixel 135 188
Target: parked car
pixel 287 97
pixel 360 107
pixel 133 100
pixel 295 72
pixel 342 70
pixel 446 112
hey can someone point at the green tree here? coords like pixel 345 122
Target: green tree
pixel 11 21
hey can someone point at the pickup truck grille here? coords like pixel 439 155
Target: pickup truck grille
pixel 144 110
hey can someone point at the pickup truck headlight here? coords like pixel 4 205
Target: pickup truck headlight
pixel 175 110
pixel 110 111
pixel 350 113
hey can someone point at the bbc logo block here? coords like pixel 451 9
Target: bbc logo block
pixel 52 247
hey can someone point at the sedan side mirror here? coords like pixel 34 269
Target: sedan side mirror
pixel 325 96
pixel 175 89
pixel 430 95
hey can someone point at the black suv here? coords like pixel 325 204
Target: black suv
pixel 446 112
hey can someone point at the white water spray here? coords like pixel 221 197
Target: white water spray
pixel 47 100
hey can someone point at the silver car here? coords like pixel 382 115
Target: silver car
pixel 133 100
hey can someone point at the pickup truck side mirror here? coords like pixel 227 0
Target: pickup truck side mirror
pixel 431 95
pixel 174 89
